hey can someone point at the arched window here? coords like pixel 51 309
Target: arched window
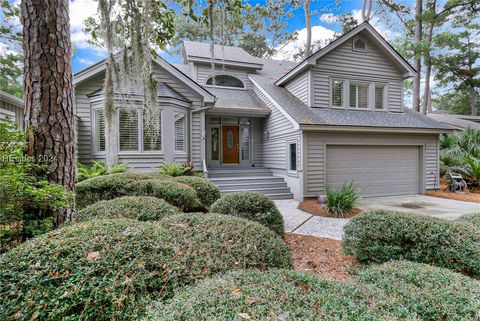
pixel 225 81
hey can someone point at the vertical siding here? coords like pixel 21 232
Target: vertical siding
pixel 344 63
pixel 280 131
pixel 316 149
pixel 299 87
pixel 19 116
pixel 203 72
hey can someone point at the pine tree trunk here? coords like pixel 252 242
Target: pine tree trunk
pixel 308 24
pixel 473 101
pixel 49 109
pixel 417 60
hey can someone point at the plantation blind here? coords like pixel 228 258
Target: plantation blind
pixel 152 132
pixel 379 96
pixel 359 95
pixel 128 129
pixel 99 130
pixel 179 132
pixel 337 93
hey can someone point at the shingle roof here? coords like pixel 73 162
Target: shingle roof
pixel 305 115
pixel 238 99
pixel 454 121
pixel 163 90
pixel 222 53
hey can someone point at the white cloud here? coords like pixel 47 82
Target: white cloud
pixel 328 18
pixel 79 11
pixel 319 33
pixel 86 61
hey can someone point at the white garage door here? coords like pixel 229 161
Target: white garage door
pixel 376 170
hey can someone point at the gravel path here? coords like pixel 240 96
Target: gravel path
pixel 300 222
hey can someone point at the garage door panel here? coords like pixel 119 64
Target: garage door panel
pixel 376 170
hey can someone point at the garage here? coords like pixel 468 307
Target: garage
pixel 376 170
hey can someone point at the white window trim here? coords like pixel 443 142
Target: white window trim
pixel 139 138
pixel 93 117
pixel 345 82
pixel 225 87
pixel 154 152
pixel 291 142
pixel 385 96
pixel 359 50
pixel 354 82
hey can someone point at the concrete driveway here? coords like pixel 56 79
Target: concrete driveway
pixel 421 204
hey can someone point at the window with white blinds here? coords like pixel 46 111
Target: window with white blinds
pixel 358 95
pixel 179 132
pixel 337 93
pixel 245 142
pixel 152 134
pixel 99 130
pixel 128 129
pixel 379 96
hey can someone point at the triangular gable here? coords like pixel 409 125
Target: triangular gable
pixel 378 40
pixel 99 67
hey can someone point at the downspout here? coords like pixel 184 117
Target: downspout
pixel 191 134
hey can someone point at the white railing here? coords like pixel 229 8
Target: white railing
pixel 205 170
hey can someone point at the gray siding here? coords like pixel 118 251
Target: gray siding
pixel 17 111
pixel 280 131
pixel 299 87
pixel 370 66
pixel 203 72
pixel 315 154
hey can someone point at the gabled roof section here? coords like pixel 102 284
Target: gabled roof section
pixel 99 67
pixel 163 91
pixel 377 39
pixel 11 99
pixel 224 55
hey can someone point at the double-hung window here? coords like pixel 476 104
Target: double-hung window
pixel 152 130
pixel 358 95
pixel 128 129
pixel 180 132
pixel 99 141
pixel 337 93
pixel 379 96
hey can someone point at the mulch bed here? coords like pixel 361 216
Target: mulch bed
pixel 312 206
pixel 467 196
pixel 320 256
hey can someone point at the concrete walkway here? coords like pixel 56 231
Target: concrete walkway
pixel 300 222
pixel 421 204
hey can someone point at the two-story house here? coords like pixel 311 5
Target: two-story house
pixel 282 128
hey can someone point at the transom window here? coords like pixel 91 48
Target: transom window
pixel 225 81
pixel 337 93
pixel 358 95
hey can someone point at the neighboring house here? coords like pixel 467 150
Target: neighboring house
pixel 11 108
pixel 276 126
pixel 459 122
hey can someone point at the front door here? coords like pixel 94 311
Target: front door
pixel 230 144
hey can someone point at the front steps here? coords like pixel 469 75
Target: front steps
pixel 255 179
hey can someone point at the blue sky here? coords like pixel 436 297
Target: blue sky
pixel 87 55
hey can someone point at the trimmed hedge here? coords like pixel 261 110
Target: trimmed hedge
pixel 275 295
pixel 142 208
pixel 381 235
pixel 129 184
pixel 111 269
pixel 253 206
pixel 207 192
pixel 247 244
pixel 470 218
pixel 106 187
pixel 432 293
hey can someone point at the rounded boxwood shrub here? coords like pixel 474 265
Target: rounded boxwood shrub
pixel 381 235
pixel 106 187
pixel 274 295
pixel 470 218
pixel 207 192
pixel 111 269
pixel 142 208
pixel 246 244
pixel 431 292
pixel 253 206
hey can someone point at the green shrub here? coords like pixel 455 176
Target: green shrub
pixel 253 206
pixel 98 169
pixel 473 218
pixel 272 296
pixel 111 269
pixel 107 187
pixel 207 192
pixel 381 235
pixel 432 293
pixel 142 208
pixel 174 169
pixel 175 193
pixel 342 200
